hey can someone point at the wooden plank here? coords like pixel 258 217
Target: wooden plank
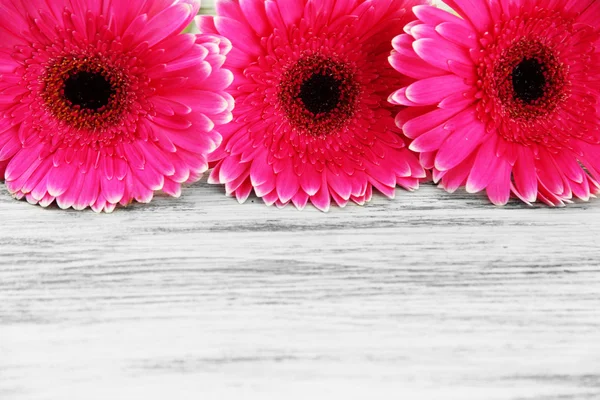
pixel 427 296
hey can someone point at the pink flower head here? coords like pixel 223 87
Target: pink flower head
pixel 105 102
pixel 505 97
pixel 311 83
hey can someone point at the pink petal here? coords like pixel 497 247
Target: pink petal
pixel 460 144
pixel 485 167
pixel 322 199
pixel 457 176
pixel 172 188
pixel 430 140
pixel 475 11
pixel 439 52
pixel 260 171
pixel 457 33
pixel 287 184
pixel 548 173
pixel 428 121
pixel 112 190
pixel 498 190
pixel 310 180
pixel 243 191
pixel 231 168
pixel 60 179
pixel 339 184
pixel 433 90
pixel 22 161
pixel 89 191
pixel 433 15
pixel 169 21
pixel 525 175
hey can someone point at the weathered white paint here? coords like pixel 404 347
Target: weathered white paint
pixel 428 296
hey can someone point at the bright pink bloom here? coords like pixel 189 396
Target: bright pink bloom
pixel 105 102
pixel 311 121
pixel 506 98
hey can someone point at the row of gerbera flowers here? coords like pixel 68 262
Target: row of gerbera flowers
pixel 105 101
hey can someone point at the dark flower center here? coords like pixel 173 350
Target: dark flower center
pixel 320 93
pixel 88 90
pixel 528 80
pixel 87 93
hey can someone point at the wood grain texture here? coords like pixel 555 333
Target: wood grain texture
pixel 428 296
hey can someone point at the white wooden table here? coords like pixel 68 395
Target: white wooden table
pixel 428 296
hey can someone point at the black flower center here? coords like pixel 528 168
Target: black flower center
pixel 529 81
pixel 88 90
pixel 320 93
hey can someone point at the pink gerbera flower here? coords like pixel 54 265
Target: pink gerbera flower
pixel 104 102
pixel 505 98
pixel 311 82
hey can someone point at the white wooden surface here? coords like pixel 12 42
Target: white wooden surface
pixel 428 296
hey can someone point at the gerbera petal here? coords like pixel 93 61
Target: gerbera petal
pixel 457 33
pixel 113 190
pixel 475 11
pixel 68 199
pixel 432 15
pixel 457 176
pixel 484 168
pixel 231 169
pixel 433 90
pixel 439 52
pixel 300 200
pixel 254 10
pixel 172 188
pixel 167 22
pixel 428 121
pixel 339 185
pixel 21 162
pixel 549 175
pixel 460 144
pixel 582 190
pixel 310 180
pixel 59 179
pixel 231 28
pixel 590 14
pixel 498 190
pixel 525 175
pixel 287 184
pixel 322 199
pixel 89 191
pixel 243 191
